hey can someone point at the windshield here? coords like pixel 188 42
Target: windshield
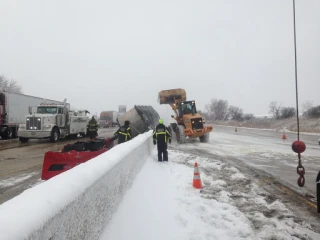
pixel 49 110
pixel 187 108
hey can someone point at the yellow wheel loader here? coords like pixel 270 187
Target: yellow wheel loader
pixel 189 123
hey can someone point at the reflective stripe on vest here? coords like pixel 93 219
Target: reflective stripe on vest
pixel 125 134
pixel 162 133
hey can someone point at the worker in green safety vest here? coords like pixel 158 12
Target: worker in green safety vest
pixel 161 136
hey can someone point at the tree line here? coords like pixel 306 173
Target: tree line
pixel 9 85
pixel 220 110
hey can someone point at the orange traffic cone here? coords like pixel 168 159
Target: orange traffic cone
pixel 196 177
pixel 284 136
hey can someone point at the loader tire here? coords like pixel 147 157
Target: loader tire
pixel 181 138
pixel 204 138
pixel 170 129
pixel 55 135
pixel 173 126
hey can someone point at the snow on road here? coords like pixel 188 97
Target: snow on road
pixel 162 204
pixel 267 152
pixel 15 180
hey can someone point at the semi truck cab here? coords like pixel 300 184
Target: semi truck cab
pixel 52 121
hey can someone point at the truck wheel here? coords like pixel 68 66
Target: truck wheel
pixel 23 140
pixel 181 138
pixel 15 133
pixel 204 138
pixel 8 133
pixel 54 135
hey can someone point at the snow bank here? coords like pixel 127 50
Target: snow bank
pixel 76 204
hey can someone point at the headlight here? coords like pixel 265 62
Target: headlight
pixel 22 125
pixel 200 121
pixel 47 126
pixel 192 121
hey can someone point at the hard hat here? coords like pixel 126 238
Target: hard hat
pixel 161 121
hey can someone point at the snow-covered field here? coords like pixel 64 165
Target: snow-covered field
pixel 162 204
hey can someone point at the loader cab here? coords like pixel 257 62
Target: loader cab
pixel 187 107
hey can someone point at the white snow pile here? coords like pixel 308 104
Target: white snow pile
pixel 162 204
pixel 78 203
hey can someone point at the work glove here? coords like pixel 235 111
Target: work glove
pixel 170 140
pixel 154 142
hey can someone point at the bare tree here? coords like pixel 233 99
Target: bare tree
pixel 275 109
pixel 9 85
pixel 306 106
pixel 218 109
pixel 209 113
pixel 248 116
pixel 287 112
pixel 235 113
pixel 313 112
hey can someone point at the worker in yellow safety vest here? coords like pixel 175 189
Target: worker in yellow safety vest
pixel 124 133
pixel 161 136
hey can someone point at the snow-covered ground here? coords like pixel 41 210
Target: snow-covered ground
pixel 263 150
pixel 162 204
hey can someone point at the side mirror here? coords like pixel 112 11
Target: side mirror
pixel 30 110
pixel 172 116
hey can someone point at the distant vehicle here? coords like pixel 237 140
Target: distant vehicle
pixel 122 110
pixel 13 109
pixel 108 119
pixel 53 121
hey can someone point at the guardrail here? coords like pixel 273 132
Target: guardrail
pixel 78 203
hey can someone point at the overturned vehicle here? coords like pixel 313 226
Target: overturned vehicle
pixel 141 118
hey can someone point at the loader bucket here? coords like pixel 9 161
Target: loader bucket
pixel 169 96
pixel 72 155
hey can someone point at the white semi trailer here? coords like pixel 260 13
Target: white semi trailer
pixel 13 109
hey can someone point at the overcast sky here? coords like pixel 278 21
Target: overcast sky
pixel 102 53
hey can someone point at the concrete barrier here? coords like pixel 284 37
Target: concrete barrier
pixel 76 204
